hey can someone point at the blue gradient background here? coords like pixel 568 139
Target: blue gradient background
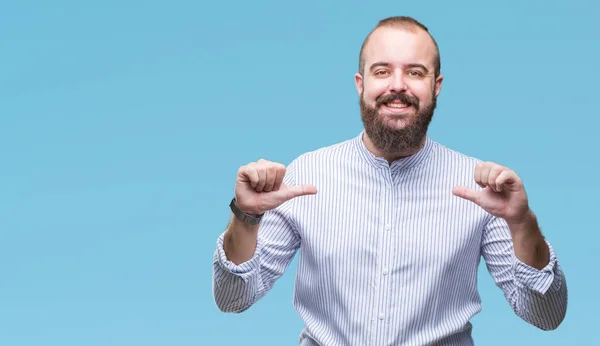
pixel 122 125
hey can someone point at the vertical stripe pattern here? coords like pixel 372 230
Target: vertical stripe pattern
pixel 387 255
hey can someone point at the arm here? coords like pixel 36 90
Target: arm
pixel 528 242
pixel 239 240
pixel 537 295
pixel 521 261
pixel 250 258
pixel 237 286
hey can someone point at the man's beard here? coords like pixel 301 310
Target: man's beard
pixel 394 141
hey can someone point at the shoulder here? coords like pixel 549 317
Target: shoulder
pixel 328 155
pixel 443 155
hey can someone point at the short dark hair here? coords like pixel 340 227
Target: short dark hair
pixel 406 23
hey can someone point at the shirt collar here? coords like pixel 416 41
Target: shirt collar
pixel 397 165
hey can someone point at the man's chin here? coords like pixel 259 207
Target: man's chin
pixel 395 126
pixel 396 121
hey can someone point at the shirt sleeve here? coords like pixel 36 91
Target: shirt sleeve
pixel 237 287
pixel 537 296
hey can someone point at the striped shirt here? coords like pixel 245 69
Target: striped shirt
pixel 387 254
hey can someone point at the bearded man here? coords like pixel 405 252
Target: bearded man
pixel 390 225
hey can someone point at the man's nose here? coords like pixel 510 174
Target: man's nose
pixel 397 83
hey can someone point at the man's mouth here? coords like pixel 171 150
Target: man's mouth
pixel 397 105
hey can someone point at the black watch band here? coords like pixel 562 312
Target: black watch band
pixel 249 219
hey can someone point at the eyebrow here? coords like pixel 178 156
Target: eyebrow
pixel 386 64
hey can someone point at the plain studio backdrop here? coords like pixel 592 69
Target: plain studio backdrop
pixel 122 126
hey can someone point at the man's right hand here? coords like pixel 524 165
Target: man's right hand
pixel 259 187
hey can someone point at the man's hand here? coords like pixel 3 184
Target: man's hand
pixel 259 187
pixel 503 195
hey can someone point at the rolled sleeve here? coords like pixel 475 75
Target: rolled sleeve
pixel 539 280
pixel 243 270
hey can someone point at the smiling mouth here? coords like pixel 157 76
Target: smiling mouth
pixel 396 105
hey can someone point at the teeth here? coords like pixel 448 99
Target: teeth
pixel 396 105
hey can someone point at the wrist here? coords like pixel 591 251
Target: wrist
pixel 523 221
pixel 246 209
pixel 247 217
pixel 524 227
pixel 238 225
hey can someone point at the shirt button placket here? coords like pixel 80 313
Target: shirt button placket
pixel 387 227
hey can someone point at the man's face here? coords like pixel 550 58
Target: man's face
pixel 398 90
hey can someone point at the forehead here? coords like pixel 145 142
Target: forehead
pixel 399 46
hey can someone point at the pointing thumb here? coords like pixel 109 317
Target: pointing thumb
pixel 300 190
pixel 466 193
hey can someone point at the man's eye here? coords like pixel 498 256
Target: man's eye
pixel 415 74
pixel 381 73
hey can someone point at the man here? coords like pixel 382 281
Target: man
pixel 390 243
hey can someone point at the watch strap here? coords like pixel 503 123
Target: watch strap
pixel 247 218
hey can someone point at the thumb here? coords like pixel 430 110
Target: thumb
pixel 466 193
pixel 299 190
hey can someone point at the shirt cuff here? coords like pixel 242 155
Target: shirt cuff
pixel 243 270
pixel 540 281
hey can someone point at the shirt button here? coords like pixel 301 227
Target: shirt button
pixel 388 227
pixel 385 272
pixel 381 316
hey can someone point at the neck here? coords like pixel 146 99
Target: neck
pixel 391 157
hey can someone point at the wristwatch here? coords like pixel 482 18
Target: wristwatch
pixel 247 218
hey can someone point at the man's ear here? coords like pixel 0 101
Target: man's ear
pixel 438 85
pixel 359 81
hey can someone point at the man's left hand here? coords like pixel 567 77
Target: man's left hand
pixel 503 195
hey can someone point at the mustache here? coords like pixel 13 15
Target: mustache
pixel 406 99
